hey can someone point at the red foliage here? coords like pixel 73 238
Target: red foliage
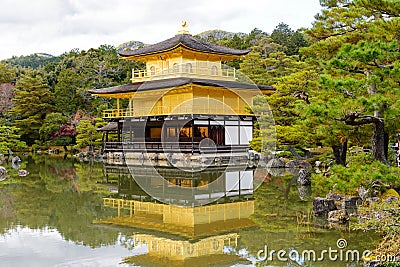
pixel 67 130
pixel 6 95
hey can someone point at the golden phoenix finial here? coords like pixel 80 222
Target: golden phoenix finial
pixel 184 29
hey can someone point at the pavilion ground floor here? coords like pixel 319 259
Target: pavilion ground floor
pixel 193 133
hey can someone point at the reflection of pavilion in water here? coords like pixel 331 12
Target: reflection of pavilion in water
pixel 183 235
pixel 176 186
pixel 208 251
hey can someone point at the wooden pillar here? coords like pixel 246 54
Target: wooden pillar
pixel 103 142
pixel 130 112
pixel 119 132
pixel 192 137
pixel 119 207
pixel 132 106
pixel 117 107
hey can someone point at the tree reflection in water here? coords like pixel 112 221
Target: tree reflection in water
pixel 57 194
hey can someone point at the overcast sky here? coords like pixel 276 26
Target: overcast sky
pixel 58 26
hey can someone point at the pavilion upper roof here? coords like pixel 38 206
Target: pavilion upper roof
pixel 185 40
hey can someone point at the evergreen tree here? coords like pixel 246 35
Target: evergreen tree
pixel 10 139
pixel 69 93
pixel 265 46
pixel 357 45
pixel 254 68
pixel 290 40
pixel 51 126
pixel 87 134
pixel 33 100
pixel 7 74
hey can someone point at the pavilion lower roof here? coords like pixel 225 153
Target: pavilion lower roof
pixel 176 82
pixel 111 126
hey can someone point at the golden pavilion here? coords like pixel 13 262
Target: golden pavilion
pixel 185 100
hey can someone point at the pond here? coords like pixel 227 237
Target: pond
pixel 67 212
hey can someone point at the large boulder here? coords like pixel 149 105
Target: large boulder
pixel 336 197
pixel 23 173
pixel 277 172
pixel 351 203
pixel 276 163
pixel 304 178
pixel 322 206
pixel 304 192
pixel 363 192
pixel 16 162
pixel 299 164
pixel 3 173
pixel 372 200
pixel 338 216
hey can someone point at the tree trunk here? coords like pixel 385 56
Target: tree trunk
pixel 386 145
pixel 378 142
pixel 343 157
pixel 307 152
pixel 295 154
pixel 340 153
pixel 337 154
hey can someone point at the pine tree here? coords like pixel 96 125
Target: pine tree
pixel 33 100
pixel 7 74
pixel 9 139
pixel 357 45
pixel 88 136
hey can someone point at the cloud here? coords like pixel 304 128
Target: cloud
pixel 31 12
pixel 57 26
pixel 46 247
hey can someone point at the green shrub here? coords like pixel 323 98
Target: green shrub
pixel 361 171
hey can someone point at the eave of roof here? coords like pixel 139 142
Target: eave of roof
pixel 184 40
pixel 111 126
pixel 176 82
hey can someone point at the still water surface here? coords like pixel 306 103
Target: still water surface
pixel 72 213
